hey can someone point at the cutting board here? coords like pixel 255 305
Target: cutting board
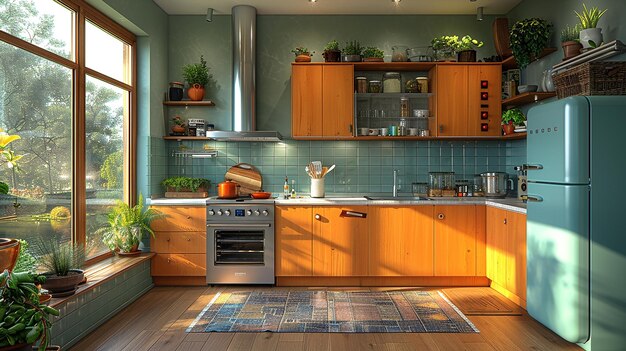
pixel 247 176
pixel 501 40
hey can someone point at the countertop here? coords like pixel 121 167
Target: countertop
pixel 510 204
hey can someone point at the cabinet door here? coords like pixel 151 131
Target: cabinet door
pixel 452 98
pixel 455 240
pixel 294 241
pixel 497 245
pixel 338 100
pixel 188 265
pixel 340 244
pixel 401 241
pixel 306 100
pixel 491 75
pixel 179 242
pixel 516 254
pixel 180 219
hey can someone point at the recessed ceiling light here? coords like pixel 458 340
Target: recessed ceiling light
pixel 396 1
pixel 312 0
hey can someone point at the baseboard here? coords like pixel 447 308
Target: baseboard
pixel 382 281
pixel 179 281
pixel 509 295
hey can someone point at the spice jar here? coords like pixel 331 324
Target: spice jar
pixel 404 107
pixel 361 85
pixel 423 84
pixel 375 86
pixel 392 82
pixel 412 86
pixel 176 91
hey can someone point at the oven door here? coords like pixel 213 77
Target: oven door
pixel 240 253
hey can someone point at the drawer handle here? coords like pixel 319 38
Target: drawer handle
pixel 441 216
pixel 168 240
pixel 188 239
pixel 169 260
pixel 504 221
pixel 318 217
pixel 188 217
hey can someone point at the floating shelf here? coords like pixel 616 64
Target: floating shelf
pixel 514 136
pixel 527 98
pixel 392 95
pixel 510 62
pixel 189 103
pixel 195 154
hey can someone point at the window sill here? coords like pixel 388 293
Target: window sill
pixel 102 272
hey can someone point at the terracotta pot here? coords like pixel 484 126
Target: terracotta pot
pixel 9 251
pixel 332 56
pixel 63 285
pixel 18 347
pixel 44 299
pixel 508 128
pixel 303 58
pixel 178 129
pixel 467 56
pixel 196 92
pixel 372 59
pixel 571 49
pixel 227 190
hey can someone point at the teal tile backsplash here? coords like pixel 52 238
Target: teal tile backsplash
pixel 361 166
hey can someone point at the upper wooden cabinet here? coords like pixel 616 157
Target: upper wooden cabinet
pixel 467 100
pixel 322 100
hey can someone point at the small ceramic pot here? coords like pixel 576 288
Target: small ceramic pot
pixel 332 56
pixel 590 35
pixel 508 128
pixel 571 49
pixel 303 58
pixel 351 58
pixel 467 56
pixel 196 92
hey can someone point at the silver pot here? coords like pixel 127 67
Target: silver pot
pixel 496 184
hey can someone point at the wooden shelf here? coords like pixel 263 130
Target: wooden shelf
pixel 416 138
pixel 514 136
pixel 526 98
pixel 189 103
pixel 510 61
pixel 395 66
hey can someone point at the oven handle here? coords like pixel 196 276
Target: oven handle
pixel 229 225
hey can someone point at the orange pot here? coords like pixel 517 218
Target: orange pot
pixel 227 190
pixel 9 251
pixel 508 128
pixel 303 58
pixel 196 92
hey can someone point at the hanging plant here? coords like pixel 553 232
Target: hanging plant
pixel 528 39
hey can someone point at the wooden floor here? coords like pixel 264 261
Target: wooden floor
pixel 157 321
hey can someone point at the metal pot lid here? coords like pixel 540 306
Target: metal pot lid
pixel 492 174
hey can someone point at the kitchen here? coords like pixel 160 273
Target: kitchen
pixel 462 242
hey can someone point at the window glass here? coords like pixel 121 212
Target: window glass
pixel 36 104
pixel 44 23
pixel 106 53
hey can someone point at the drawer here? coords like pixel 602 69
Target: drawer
pixel 190 265
pixel 179 242
pixel 181 219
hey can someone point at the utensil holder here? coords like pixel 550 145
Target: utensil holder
pixel 317 187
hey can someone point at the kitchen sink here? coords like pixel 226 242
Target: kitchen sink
pixel 397 198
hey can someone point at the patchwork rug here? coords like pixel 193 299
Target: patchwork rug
pixel 288 311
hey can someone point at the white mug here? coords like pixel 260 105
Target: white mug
pixel 364 131
pixel 384 131
pixel 373 131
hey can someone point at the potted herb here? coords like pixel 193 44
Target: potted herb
pixel 465 48
pixel 63 262
pixel 373 54
pixel 445 47
pixel 24 319
pixel 352 52
pixel 186 184
pixel 570 42
pixel 528 39
pixel 178 126
pixel 197 76
pixel 7 155
pixel 331 52
pixel 302 54
pixel 510 119
pixel 590 36
pixel 126 227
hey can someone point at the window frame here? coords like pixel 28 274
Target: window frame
pixel 84 12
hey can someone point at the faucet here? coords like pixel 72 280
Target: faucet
pixel 395 183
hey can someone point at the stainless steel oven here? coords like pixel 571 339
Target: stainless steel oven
pixel 240 242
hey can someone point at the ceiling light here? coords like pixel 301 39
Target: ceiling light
pixel 479 13
pixel 209 15
pixel 312 0
pixel 396 1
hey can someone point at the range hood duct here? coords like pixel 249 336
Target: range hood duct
pixel 244 76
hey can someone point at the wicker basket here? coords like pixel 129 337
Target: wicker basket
pixel 592 78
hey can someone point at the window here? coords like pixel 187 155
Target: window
pixel 74 121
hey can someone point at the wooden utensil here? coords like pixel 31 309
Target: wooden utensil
pixel 247 176
pixel 317 167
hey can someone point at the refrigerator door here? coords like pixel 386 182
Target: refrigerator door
pixel 558 258
pixel 558 142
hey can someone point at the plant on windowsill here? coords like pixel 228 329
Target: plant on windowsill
pixel 197 76
pixel 570 41
pixel 373 54
pixel 510 119
pixel 9 248
pixel 590 36
pixel 302 54
pixel 331 52
pixel 352 52
pixel 63 262
pixel 528 39
pixel 126 227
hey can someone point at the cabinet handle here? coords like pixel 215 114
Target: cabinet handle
pixel 441 216
pixel 169 260
pixel 504 221
pixel 168 240
pixel 350 128
pixel 441 128
pixel 535 198
pixel 188 217
pixel 188 239
pixel 318 217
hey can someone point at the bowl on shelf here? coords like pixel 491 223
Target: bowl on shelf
pixel 527 88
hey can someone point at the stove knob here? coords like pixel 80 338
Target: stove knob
pixel 265 213
pixel 219 212
pixel 248 212
pixel 211 213
pixel 256 212
pixel 227 212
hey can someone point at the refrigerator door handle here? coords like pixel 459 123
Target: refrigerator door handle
pixel 532 198
pixel 527 167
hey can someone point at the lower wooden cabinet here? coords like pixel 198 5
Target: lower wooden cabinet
pixel 293 238
pixel 179 242
pixel 179 265
pixel 457 241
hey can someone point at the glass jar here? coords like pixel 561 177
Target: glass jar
pixel 403 128
pixel 423 84
pixel 420 189
pixel 375 86
pixel 361 85
pixel 398 53
pixel 176 91
pixel 411 86
pixel 441 184
pixel 392 83
pixel 404 107
pixel 478 185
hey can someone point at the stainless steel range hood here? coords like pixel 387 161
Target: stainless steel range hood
pixel 244 74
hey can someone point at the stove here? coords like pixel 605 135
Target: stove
pixel 240 241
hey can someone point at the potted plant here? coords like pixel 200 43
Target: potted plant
pixel 570 42
pixel 197 76
pixel 331 52
pixel 302 54
pixel 352 51
pixel 126 226
pixel 7 156
pixel 445 47
pixel 373 54
pixel 25 320
pixel 528 39
pixel 510 119
pixel 63 262
pixel 590 36
pixel 186 184
pixel 465 49
pixel 179 125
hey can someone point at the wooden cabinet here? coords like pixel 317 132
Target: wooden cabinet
pixel 322 100
pixel 467 99
pixel 457 240
pixel 294 235
pixel 181 219
pixel 401 241
pixel 340 242
pixel 506 252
